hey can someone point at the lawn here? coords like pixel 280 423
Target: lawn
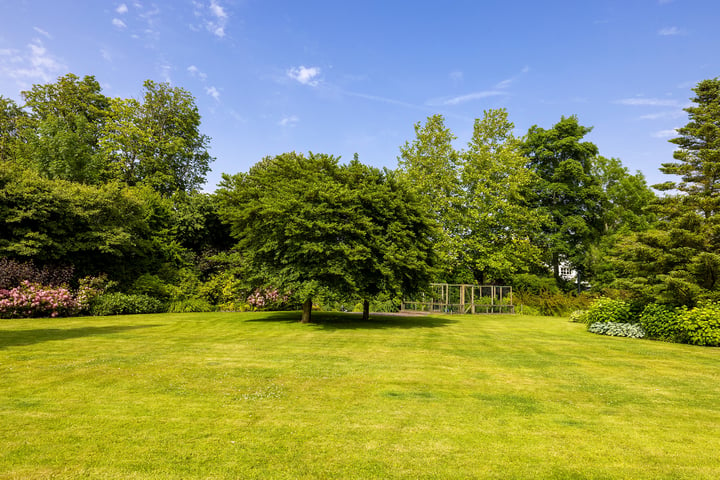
pixel 258 395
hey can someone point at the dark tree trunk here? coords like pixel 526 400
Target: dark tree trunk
pixel 307 308
pixel 366 311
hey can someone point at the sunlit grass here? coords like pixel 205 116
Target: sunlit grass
pixel 261 396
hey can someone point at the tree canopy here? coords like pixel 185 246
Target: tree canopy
pixel 314 226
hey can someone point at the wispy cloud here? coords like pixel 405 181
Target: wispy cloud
pixel 122 9
pixel 498 89
pixel 448 101
pixel 289 121
pixel 213 92
pixel 42 32
pixel 376 98
pixel 509 81
pixel 664 115
pixel 195 72
pixel 305 75
pixel 213 16
pixel 665 133
pixel 33 65
pixel 670 31
pixel 648 102
pixel 119 23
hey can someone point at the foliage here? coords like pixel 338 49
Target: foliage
pixel 13 272
pixel 579 316
pixel 157 142
pixel 700 325
pixel 309 225
pixel 617 329
pixel 609 310
pixel 61 136
pixel 661 321
pixel 565 190
pixel 268 298
pixel 553 303
pixel 476 197
pixel 109 228
pixel 35 300
pixel 190 305
pixel 123 304
pixel 678 261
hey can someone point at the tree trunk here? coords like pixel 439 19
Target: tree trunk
pixel 366 311
pixel 307 308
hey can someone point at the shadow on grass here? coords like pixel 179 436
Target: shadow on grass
pixel 353 321
pixel 20 338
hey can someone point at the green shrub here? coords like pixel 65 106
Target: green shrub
pixel 609 310
pixel 660 322
pixel 190 305
pixel 152 286
pixel 700 325
pixel 121 304
pixel 553 303
pixel 579 316
pixel 617 329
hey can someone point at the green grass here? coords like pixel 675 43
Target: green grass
pixel 227 395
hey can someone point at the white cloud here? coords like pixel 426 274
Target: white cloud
pixel 456 76
pixel 34 65
pixel 669 31
pixel 305 75
pixel 648 102
pixel 213 15
pixel 118 23
pixel 664 115
pixel 446 101
pixel 122 9
pixel 42 32
pixel 665 133
pixel 195 72
pixel 105 54
pixel 509 81
pixel 213 92
pixel 290 121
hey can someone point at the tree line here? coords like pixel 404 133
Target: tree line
pixel 110 186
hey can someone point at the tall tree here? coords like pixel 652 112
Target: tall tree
pixel 157 142
pixel 496 236
pixel 12 118
pixel 314 226
pixel 63 132
pixel 432 165
pixel 566 191
pixel 678 261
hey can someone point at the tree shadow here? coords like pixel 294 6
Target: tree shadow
pixel 21 338
pixel 353 321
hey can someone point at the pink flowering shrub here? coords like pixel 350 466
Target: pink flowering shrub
pixel 268 298
pixel 35 300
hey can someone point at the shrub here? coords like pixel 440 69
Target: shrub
pixel 617 329
pixel 700 325
pixel 660 322
pixel 190 305
pixel 579 316
pixel 35 300
pixel 13 273
pixel 609 310
pixel 553 303
pixel 121 304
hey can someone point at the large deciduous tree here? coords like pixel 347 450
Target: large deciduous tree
pixel 314 226
pixel 62 134
pixel 497 228
pixel 157 142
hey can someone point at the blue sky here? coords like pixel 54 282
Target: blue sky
pixel 344 77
